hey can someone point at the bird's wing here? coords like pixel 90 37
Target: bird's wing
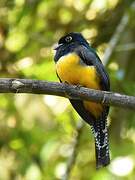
pixel 90 57
pixel 81 110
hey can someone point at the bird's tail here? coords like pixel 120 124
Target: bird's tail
pixel 101 144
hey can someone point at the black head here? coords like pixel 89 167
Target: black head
pixel 73 37
pixel 68 43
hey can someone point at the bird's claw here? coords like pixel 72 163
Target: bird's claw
pixel 65 82
pixel 78 86
pixel 104 99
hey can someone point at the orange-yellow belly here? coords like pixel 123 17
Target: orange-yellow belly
pixel 70 69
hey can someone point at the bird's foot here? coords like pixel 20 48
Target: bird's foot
pixel 104 99
pixel 65 82
pixel 78 86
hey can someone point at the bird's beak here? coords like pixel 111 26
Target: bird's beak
pixel 56 46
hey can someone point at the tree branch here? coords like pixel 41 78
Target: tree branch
pixel 9 85
pixel 126 47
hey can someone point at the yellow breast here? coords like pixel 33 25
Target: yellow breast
pixel 70 69
pixel 67 68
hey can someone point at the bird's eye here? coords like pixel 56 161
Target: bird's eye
pixel 68 38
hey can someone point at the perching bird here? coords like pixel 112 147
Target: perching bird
pixel 78 64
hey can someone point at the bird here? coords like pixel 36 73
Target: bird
pixel 77 63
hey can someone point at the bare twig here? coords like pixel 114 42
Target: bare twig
pixel 126 47
pixel 116 37
pixel 8 85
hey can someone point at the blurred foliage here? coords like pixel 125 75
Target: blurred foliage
pixel 36 131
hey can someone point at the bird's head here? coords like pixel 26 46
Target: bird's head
pixel 68 43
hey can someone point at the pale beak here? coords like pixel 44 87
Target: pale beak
pixel 56 46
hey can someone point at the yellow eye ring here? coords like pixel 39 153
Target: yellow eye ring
pixel 68 38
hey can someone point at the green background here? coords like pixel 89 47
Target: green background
pixel 37 132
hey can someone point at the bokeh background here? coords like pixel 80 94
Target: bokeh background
pixel 37 132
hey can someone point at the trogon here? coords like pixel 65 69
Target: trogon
pixel 77 63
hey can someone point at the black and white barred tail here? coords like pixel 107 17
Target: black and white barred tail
pixel 100 132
